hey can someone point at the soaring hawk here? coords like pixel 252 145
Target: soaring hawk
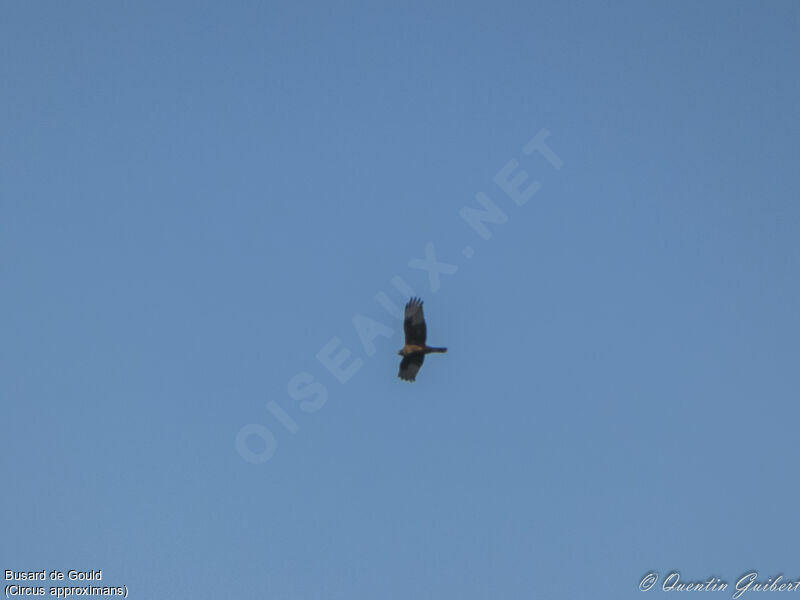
pixel 415 349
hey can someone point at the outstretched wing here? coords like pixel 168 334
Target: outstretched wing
pixel 414 324
pixel 409 366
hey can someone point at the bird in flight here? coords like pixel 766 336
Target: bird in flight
pixel 415 349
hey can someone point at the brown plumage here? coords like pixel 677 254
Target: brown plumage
pixel 415 349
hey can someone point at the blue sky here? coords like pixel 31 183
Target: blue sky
pixel 198 197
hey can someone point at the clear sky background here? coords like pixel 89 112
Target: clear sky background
pixel 198 197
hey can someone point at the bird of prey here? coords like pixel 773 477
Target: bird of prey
pixel 415 349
